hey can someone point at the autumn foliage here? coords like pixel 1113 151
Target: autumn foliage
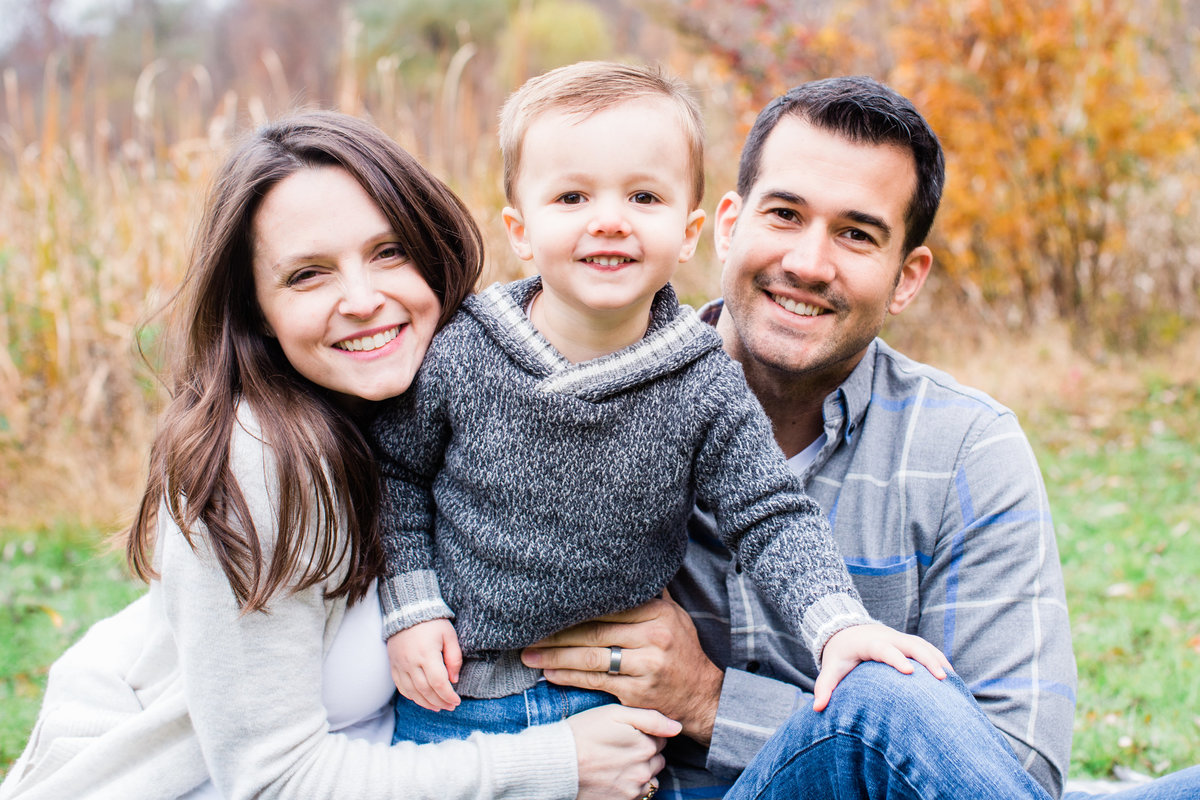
pixel 1072 141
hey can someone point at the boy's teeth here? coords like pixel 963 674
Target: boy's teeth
pixel 607 261
pixel 802 309
pixel 368 343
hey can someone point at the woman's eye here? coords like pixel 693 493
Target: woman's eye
pixel 643 198
pixel 571 198
pixel 392 252
pixel 302 275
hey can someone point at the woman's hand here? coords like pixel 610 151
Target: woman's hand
pixel 618 750
pixel 849 647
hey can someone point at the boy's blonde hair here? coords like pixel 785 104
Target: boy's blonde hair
pixel 590 86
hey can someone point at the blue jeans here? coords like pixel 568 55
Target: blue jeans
pixel 1182 785
pixel 888 735
pixel 903 737
pixel 543 704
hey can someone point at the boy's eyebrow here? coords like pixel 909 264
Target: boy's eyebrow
pixel 861 217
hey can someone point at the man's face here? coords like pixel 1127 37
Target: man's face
pixel 813 256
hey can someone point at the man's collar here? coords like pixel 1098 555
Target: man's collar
pixel 845 406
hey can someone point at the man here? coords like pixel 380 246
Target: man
pixel 931 488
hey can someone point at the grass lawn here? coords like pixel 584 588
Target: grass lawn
pixel 1122 491
pixel 54 583
pixel 1124 499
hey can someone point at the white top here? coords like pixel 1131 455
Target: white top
pixel 356 685
pixel 181 687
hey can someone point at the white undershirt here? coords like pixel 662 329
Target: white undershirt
pixel 356 683
pixel 801 460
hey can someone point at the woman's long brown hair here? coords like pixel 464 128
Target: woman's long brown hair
pixel 221 358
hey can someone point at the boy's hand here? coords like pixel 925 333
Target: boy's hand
pixel 848 648
pixel 425 660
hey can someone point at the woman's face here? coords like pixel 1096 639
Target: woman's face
pixel 346 304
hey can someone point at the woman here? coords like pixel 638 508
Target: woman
pixel 326 259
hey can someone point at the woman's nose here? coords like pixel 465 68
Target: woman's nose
pixel 360 298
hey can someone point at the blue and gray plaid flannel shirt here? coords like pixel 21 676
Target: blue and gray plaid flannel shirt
pixel 938 506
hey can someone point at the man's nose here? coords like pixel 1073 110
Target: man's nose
pixel 811 257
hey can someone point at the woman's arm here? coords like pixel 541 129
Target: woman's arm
pixel 253 689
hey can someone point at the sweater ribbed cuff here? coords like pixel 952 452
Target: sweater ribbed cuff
pixel 829 615
pixel 409 598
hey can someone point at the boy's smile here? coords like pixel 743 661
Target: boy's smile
pixel 603 212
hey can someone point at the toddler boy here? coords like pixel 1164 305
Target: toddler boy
pixel 541 469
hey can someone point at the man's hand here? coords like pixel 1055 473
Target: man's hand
pixel 662 664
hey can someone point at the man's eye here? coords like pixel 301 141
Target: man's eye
pixel 571 198
pixel 785 214
pixel 859 236
pixel 643 198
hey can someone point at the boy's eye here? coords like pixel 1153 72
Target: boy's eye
pixel 571 198
pixel 644 198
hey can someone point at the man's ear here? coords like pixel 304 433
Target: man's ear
pixel 913 273
pixel 691 234
pixel 514 225
pixel 727 215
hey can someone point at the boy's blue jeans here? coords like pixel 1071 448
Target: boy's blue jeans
pixel 543 704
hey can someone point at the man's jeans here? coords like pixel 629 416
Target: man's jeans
pixel 903 737
pixel 543 704
pixel 888 735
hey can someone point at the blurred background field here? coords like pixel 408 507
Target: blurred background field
pixel 1067 276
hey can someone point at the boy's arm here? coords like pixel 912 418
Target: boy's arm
pixel 409 438
pixel 777 533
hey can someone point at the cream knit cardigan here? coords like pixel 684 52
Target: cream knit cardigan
pixel 180 687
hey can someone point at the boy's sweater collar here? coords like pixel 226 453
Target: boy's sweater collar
pixel 676 337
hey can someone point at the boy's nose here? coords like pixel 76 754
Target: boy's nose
pixel 607 221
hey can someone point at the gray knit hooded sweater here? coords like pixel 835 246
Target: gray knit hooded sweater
pixel 524 494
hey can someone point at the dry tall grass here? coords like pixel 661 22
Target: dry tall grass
pixel 94 234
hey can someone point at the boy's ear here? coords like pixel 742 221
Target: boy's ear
pixel 691 234
pixel 514 225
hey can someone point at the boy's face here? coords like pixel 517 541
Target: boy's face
pixel 604 205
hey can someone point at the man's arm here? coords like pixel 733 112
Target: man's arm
pixel 992 598
pixel 662 664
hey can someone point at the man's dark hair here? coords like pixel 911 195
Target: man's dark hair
pixel 863 111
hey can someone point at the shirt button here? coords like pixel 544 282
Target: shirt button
pixel 737 567
pixel 752 666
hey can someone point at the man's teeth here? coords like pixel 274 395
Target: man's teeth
pixel 368 343
pixel 607 261
pixel 803 309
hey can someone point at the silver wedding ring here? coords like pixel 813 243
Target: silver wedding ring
pixel 614 661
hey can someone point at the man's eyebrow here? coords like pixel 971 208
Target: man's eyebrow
pixel 863 218
pixel 782 196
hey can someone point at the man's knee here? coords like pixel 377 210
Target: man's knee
pixel 879 692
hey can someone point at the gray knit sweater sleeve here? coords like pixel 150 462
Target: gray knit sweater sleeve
pixel 409 439
pixel 778 533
